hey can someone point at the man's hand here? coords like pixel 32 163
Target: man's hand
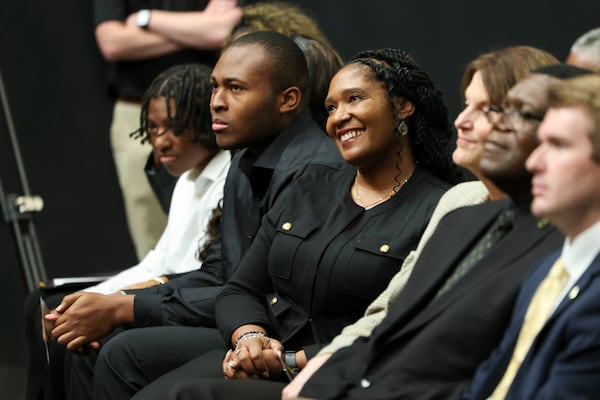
pixel 83 318
pixel 292 390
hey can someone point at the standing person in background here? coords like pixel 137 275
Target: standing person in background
pixel 140 42
pixel 283 17
pixel 585 52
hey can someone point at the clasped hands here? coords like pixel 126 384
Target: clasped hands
pixel 257 357
pixel 82 318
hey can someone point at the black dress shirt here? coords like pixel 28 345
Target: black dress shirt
pixel 319 259
pixel 252 187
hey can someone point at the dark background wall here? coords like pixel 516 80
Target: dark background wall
pixel 54 77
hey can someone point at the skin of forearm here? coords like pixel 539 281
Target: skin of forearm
pixel 119 42
pixel 123 307
pixel 301 359
pixel 194 29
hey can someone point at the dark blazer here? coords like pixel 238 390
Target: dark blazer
pixel 564 359
pixel 319 259
pixel 430 349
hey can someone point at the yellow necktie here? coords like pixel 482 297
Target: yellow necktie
pixel 542 303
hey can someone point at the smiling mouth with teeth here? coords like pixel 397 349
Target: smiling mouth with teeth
pixel 349 135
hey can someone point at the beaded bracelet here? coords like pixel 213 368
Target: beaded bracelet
pixel 248 335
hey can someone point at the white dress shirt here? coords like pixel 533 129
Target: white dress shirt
pixel 194 197
pixel 577 255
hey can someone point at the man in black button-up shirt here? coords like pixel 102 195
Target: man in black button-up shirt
pixel 249 110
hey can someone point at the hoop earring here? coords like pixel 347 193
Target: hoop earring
pixel 402 128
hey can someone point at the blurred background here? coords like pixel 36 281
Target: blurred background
pixel 55 84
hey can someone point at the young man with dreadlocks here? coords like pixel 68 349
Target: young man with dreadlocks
pixel 175 118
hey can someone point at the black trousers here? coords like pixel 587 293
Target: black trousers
pixel 223 389
pixel 132 359
pixel 202 378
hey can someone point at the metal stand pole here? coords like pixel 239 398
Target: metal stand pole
pixel 18 210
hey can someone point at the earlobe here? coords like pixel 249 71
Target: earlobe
pixel 290 99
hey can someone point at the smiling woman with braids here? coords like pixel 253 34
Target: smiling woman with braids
pixel 339 234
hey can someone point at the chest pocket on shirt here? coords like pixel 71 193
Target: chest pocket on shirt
pixel 373 263
pixel 277 305
pixel 291 232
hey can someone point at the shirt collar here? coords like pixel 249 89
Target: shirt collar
pixel 273 153
pixel 578 254
pixel 211 172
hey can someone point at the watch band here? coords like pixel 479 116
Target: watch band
pixel 290 360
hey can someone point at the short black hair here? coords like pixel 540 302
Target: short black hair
pixel 189 86
pixel 289 64
pixel 562 71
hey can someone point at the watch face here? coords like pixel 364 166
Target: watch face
pixel 143 18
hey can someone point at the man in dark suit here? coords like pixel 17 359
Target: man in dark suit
pixel 558 356
pixel 459 298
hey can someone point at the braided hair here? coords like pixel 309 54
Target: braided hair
pixel 189 86
pixel 430 132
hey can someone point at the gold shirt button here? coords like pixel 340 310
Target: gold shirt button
pixel 573 292
pixel 543 223
pixel 286 226
pixel 384 248
pixel 274 300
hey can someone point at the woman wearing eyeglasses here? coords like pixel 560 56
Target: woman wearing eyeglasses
pixel 485 83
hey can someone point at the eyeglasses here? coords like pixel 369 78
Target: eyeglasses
pixel 513 117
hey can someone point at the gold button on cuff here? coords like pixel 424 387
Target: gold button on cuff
pixel 384 248
pixel 286 226
pixel 274 300
pixel 543 223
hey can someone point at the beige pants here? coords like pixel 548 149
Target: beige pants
pixel 145 218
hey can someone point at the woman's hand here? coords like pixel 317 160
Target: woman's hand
pixel 256 357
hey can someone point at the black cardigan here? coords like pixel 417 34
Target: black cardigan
pixel 319 259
